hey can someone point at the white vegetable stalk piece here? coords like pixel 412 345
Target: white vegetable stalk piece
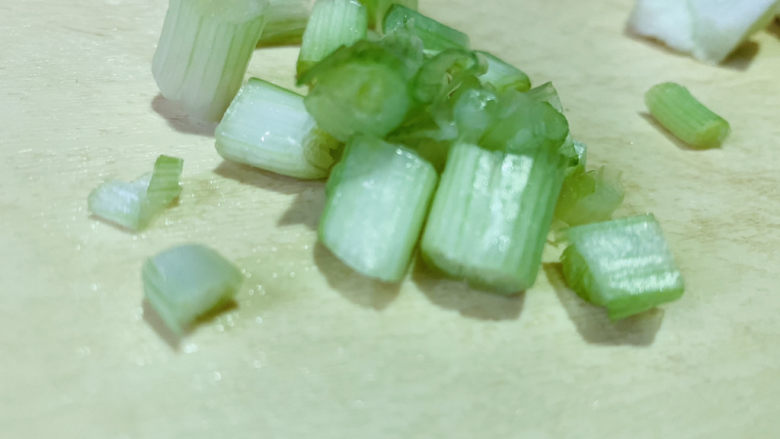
pixel 133 205
pixel 268 127
pixel 204 51
pixel 707 29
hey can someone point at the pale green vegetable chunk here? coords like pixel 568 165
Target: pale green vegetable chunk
pixel 268 127
pixel 185 282
pixel 204 50
pixel 624 265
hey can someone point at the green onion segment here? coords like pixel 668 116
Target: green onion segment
pixel 133 205
pixel 623 265
pixel 185 282
pixel 377 200
pixel 267 126
pixel 675 108
pixel 204 51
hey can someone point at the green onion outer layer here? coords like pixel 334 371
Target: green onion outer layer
pixel 268 127
pixel 503 75
pixel 133 205
pixel 204 50
pixel 675 108
pixel 333 23
pixel 377 199
pixel 624 265
pixel 434 35
pixel 185 282
pixel 491 214
pixel 588 197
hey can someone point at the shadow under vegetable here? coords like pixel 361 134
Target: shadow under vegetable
pixel 468 301
pixel 671 137
pixel 178 119
pixel 305 209
pixel 358 289
pixel 172 339
pixel 595 326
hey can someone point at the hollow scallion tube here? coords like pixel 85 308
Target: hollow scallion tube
pixel 377 199
pixel 185 282
pixel 623 265
pixel 677 110
pixel 268 127
pixel 491 214
pixel 333 23
pixel 204 50
pixel 434 35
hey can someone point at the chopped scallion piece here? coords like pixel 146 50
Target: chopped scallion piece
pixel 285 22
pixel 268 127
pixel 378 8
pixel 503 75
pixel 378 196
pixel 358 89
pixel 185 282
pixel 523 123
pixel 546 93
pixel 675 108
pixel 434 35
pixel 491 214
pixel 133 205
pixel 204 51
pixel 624 265
pixel 589 197
pixel 333 23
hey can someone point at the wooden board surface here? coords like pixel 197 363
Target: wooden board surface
pixel 313 350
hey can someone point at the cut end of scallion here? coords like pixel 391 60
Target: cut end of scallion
pixel 204 50
pixel 358 89
pixel 623 265
pixel 187 281
pixel 677 110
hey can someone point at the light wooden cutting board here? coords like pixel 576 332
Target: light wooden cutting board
pixel 313 350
